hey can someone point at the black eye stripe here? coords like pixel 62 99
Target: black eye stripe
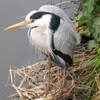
pixel 38 15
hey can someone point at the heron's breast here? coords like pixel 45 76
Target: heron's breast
pixel 39 40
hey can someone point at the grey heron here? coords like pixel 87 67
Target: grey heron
pixel 51 30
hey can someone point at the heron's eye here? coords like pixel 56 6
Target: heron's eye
pixel 32 20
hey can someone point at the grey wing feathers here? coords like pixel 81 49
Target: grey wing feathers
pixel 60 13
pixel 65 37
pixel 65 41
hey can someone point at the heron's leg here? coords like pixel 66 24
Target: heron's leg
pixel 63 84
pixel 64 77
pixel 47 90
pixel 49 67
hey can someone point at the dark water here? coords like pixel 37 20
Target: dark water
pixel 14 45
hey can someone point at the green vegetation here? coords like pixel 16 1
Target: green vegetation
pixel 93 78
pixel 87 23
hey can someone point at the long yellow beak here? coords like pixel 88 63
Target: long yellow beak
pixel 18 25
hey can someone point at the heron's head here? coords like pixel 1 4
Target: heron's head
pixel 33 19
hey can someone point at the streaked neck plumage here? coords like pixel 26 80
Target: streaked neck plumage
pixel 40 35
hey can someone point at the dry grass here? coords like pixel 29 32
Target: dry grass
pixel 33 79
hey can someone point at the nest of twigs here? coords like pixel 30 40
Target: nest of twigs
pixel 33 79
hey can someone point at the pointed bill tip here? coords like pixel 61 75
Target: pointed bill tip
pixel 18 25
pixel 7 29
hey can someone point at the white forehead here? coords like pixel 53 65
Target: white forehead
pixel 29 14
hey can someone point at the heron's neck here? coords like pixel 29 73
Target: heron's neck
pixel 41 39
